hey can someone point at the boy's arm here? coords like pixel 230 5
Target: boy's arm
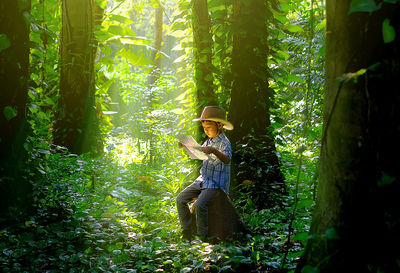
pixel 221 156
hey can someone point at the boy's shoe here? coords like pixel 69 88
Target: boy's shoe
pixel 187 234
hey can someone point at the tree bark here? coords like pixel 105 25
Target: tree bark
pixel 158 29
pixel 77 123
pixel 203 45
pixel 14 77
pixel 224 221
pixel 356 220
pixel 249 108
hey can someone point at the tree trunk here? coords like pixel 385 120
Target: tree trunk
pixel 203 45
pixel 155 74
pixel 356 219
pixel 249 108
pixel 77 122
pixel 14 77
pixel 158 29
pixel 224 221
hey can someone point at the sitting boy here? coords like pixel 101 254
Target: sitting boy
pixel 214 173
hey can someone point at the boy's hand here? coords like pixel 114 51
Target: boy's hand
pixel 208 150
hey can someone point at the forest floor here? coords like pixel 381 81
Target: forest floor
pixel 93 215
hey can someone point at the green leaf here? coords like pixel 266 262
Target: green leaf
pixel 4 42
pixel 102 3
pixel 310 269
pixel 104 88
pixel 102 35
pixel 106 50
pixel 385 180
pixel 391 1
pixel 305 203
pixel 285 6
pixel 322 24
pixel 282 19
pixel 116 30
pixel 331 233
pixel 363 6
pixel 177 34
pixel 294 78
pixel 283 55
pixel 322 51
pixel 388 32
pixel 122 19
pixel 136 55
pixel 294 28
pixel 10 112
pixel 302 236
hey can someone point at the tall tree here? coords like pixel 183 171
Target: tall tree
pixel 158 31
pixel 155 72
pixel 356 220
pixel 203 45
pixel 249 108
pixel 14 77
pixel 77 123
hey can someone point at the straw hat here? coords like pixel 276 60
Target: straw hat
pixel 215 113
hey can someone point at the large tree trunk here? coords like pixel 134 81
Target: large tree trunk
pixel 14 76
pixel 249 109
pixel 77 122
pixel 356 222
pixel 203 45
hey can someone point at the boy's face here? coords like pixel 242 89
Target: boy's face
pixel 211 128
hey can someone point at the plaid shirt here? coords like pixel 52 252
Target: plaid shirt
pixel 214 173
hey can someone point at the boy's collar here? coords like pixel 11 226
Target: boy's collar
pixel 218 136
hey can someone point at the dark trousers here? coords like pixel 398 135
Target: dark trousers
pixel 204 197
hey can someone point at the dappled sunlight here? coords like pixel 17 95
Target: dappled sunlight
pixel 104 181
pixel 125 150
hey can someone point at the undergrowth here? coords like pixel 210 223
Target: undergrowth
pixel 94 215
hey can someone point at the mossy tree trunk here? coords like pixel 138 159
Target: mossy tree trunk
pixel 254 152
pixel 356 221
pixel 156 56
pixel 77 122
pixel 203 51
pixel 14 78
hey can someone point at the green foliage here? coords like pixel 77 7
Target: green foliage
pixel 363 6
pixel 117 213
pixel 388 32
pixel 296 65
pixel 45 22
pixel 93 214
pixel 368 5
pixel 10 112
pixel 4 42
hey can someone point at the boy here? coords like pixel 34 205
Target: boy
pixel 214 173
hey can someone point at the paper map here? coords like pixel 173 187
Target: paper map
pixel 192 147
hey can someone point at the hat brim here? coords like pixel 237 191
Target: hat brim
pixel 227 124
